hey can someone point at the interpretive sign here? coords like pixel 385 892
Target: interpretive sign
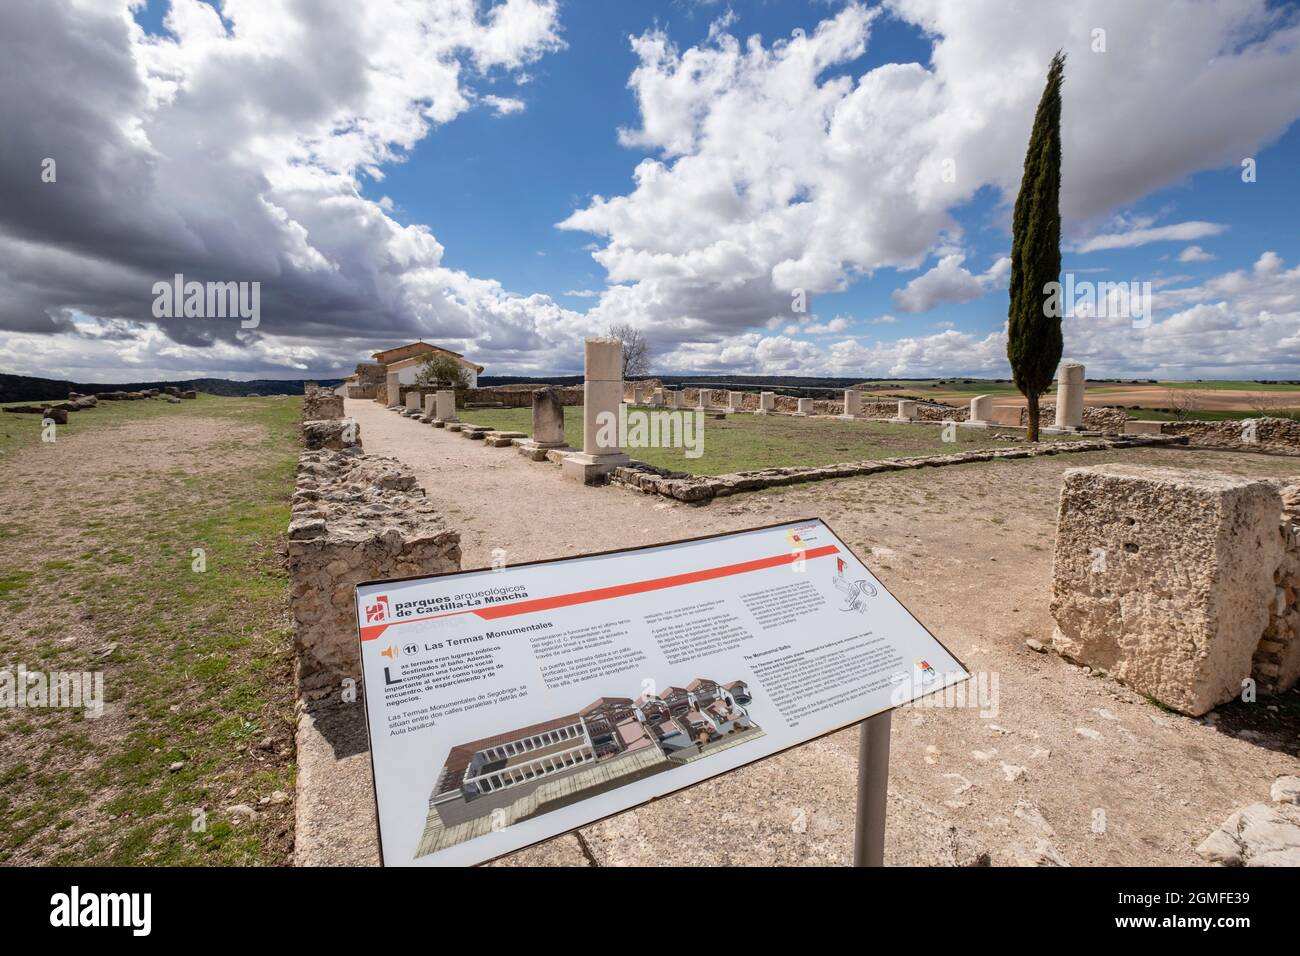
pixel 508 705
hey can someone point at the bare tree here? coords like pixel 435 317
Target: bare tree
pixel 1184 401
pixel 1274 404
pixel 636 350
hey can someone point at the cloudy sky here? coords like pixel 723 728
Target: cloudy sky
pixel 506 177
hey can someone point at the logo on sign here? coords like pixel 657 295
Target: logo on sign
pixel 378 611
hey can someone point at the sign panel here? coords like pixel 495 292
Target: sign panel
pixel 506 706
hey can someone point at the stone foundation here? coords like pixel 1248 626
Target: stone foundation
pixel 683 486
pixel 334 433
pixel 356 517
pixel 1164 577
pixel 1274 435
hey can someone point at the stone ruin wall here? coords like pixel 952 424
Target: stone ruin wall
pixel 1276 664
pixel 1267 434
pixel 319 404
pixel 355 517
pixel 509 396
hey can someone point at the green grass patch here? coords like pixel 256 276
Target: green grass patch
pixel 202 667
pixel 748 442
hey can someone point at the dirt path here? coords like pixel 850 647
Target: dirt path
pixel 1070 766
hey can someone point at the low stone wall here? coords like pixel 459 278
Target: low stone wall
pixel 331 433
pixel 1180 583
pixel 319 404
pixel 356 517
pixel 700 489
pixel 1277 435
pixel 1276 664
pixel 515 396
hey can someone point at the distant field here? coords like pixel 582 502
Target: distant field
pixel 1215 396
pixel 749 442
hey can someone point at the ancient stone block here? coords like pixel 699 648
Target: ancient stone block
pixel 1006 414
pixel 906 410
pixel 1142 427
pixel 1162 577
pixel 981 409
pixel 805 407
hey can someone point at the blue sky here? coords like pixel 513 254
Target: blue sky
pixel 417 164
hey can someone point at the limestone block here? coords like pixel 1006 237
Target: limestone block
pixel 1261 834
pixel 675 399
pixel 603 361
pixel 430 408
pixel 1006 414
pixel 1133 427
pixel 413 400
pixel 735 401
pixel 805 407
pixel 445 402
pixel 548 418
pixel 852 403
pixel 766 403
pixel 981 408
pixel 393 388
pixel 906 410
pixel 1162 577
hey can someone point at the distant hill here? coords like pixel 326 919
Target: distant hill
pixel 25 388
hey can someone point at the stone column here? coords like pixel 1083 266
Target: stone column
pixel 674 398
pixel 394 388
pixel 430 408
pixel 548 426
pixel 1069 396
pixel 766 403
pixel 657 397
pixel 852 403
pixel 805 408
pixel 413 402
pixel 446 403
pixel 906 410
pixel 735 401
pixel 602 399
pixel 981 410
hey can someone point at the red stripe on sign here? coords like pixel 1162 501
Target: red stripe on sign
pixel 619 590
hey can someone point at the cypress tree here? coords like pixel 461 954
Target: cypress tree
pixel 1033 332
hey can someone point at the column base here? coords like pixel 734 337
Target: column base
pixel 592 469
pixel 536 450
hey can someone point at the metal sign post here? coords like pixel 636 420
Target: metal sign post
pixel 873 791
